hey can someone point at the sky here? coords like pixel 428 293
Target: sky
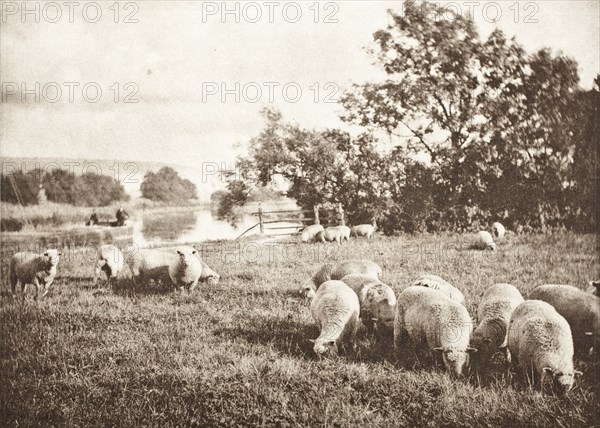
pixel 180 57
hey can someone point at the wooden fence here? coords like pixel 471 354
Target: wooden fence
pixel 299 218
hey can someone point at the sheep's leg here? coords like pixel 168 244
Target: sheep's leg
pixel 193 286
pixel 36 284
pixel 97 270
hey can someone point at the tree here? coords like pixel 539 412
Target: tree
pixel 167 186
pixel 20 188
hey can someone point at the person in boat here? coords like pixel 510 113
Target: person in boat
pixel 93 220
pixel 122 215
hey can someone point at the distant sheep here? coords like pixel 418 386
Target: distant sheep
pixel 148 264
pixel 335 310
pixel 493 313
pixel 437 283
pixel 498 230
pixel 484 241
pixel 337 234
pixel 580 309
pixel 312 233
pixel 110 260
pixel 539 341
pixel 32 268
pixel 366 230
pixel 427 317
pixel 377 300
pixel 594 288
pixel 339 270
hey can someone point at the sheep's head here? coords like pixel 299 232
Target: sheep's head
pixel 381 304
pixel 595 287
pixel 455 360
pixel 325 347
pixel 307 291
pixel 560 382
pixel 52 256
pixel 185 255
pixel 491 246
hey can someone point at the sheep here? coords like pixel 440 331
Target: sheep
pixel 186 271
pixel 110 260
pixel 313 233
pixel 377 300
pixel 366 230
pixel 426 316
pixel 335 310
pixel 340 269
pixel 32 268
pixel 498 230
pixel 484 241
pixel 437 283
pixel 493 313
pixel 580 309
pixel 539 341
pixel 594 288
pixel 337 234
pixel 146 264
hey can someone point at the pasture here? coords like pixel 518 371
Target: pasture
pixel 237 353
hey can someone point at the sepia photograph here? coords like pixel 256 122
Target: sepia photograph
pixel 299 213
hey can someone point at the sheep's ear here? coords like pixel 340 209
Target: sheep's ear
pixel 374 319
pixel 46 254
pixel 577 373
pixel 589 333
pixel 547 370
pixel 194 252
pixel 439 349
pixel 469 349
pixel 179 252
pixel 312 340
pixel 60 254
pixel 504 344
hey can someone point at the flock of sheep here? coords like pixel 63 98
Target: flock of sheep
pixel 429 317
pixel 182 267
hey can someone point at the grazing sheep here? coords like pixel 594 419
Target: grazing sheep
pixel 147 264
pixel 313 233
pixel 377 300
pixel 493 313
pixel 186 271
pixel 31 268
pixel 110 261
pixel 594 288
pixel 426 316
pixel 498 230
pixel 437 283
pixel 335 309
pixel 340 269
pixel 484 241
pixel 366 230
pixel 580 309
pixel 337 234
pixel 539 341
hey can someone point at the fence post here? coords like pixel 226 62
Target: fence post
pixel 316 210
pixel 341 214
pixel 260 222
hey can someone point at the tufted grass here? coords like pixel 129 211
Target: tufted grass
pixel 237 353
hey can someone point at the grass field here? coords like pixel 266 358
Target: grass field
pixel 238 354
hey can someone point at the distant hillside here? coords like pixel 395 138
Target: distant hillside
pixel 129 173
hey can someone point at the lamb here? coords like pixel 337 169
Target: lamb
pixel 539 340
pixel 494 312
pixel 498 230
pixel 110 261
pixel 366 230
pixel 340 269
pixel 337 234
pixel 146 264
pixel 31 268
pixel 186 271
pixel 484 241
pixel 335 309
pixel 377 300
pixel 437 283
pixel 594 288
pixel 426 316
pixel 313 233
pixel 580 309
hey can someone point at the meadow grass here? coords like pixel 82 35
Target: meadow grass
pixel 237 353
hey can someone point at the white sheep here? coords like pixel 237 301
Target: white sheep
pixel 185 272
pixel 340 269
pixel 493 314
pixel 437 283
pixel 427 317
pixel 377 300
pixel 594 288
pixel 580 309
pixel 313 233
pixel 366 230
pixel 147 264
pixel 335 310
pixel 539 341
pixel 337 234
pixel 484 241
pixel 498 230
pixel 32 268
pixel 110 260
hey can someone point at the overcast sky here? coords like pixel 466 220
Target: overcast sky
pixel 179 51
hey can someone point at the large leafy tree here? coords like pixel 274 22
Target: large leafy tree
pixel 167 186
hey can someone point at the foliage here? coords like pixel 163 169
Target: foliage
pixel 167 186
